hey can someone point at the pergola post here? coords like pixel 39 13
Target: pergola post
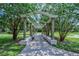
pixel 52 28
pixel 48 29
pixel 42 31
pixel 24 32
pixel 33 30
pixel 30 29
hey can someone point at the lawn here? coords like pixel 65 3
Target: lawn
pixel 8 47
pixel 73 39
pixel 74 46
pixel 4 37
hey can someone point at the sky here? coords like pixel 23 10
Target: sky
pixel 1 12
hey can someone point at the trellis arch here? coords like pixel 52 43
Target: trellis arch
pixel 51 19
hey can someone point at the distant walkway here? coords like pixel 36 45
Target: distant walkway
pixel 39 47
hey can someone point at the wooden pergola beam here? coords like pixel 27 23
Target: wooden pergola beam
pixel 39 12
pixel 52 17
pixel 47 14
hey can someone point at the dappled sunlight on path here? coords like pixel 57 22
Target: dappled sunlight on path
pixel 39 47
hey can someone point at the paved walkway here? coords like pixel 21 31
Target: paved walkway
pixel 39 47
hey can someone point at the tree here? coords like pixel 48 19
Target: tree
pixel 13 16
pixel 66 19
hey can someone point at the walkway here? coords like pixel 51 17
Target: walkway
pixel 39 47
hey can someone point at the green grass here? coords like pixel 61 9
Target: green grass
pixel 76 40
pixel 8 47
pixel 68 38
pixel 74 46
pixel 69 47
pixel 4 37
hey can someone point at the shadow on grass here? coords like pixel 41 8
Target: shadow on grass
pixel 73 47
pixel 10 49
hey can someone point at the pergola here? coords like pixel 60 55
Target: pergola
pixel 34 26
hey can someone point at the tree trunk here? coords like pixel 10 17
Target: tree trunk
pixel 15 34
pixel 62 38
pixel 48 29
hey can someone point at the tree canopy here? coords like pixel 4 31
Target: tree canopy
pixel 11 16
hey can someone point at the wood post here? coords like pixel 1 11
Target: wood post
pixel 48 29
pixel 52 28
pixel 42 30
pixel 24 32
pixel 30 29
